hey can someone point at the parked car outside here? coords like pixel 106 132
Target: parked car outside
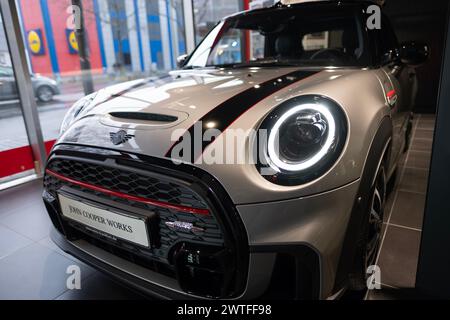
pixel 44 88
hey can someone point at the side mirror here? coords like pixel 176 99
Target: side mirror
pixel 414 53
pixel 181 60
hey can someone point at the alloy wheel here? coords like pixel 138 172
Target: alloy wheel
pixel 378 202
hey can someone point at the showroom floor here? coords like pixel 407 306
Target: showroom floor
pixel 32 267
pixel 404 214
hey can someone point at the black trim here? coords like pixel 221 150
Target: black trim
pixel 296 272
pixel 144 116
pixel 362 202
pixel 229 111
pixel 165 78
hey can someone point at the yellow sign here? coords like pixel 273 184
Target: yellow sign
pixel 35 42
pixel 73 41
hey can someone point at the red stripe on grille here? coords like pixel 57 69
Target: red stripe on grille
pixel 130 197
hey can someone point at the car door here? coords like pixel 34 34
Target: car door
pixel 398 86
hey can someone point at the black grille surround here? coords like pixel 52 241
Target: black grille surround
pixel 156 179
pixel 126 181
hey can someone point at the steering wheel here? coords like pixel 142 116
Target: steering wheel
pixel 333 54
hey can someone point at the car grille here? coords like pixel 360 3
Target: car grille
pixel 209 260
pixel 127 182
pixel 147 186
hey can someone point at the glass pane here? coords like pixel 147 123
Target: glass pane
pixel 126 40
pixel 16 157
pixel 291 37
pixel 208 12
pixel 228 49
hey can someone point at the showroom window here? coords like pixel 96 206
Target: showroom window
pixel 125 40
pixel 208 12
pixel 118 21
pixel 16 158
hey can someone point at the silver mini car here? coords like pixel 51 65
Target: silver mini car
pixel 259 169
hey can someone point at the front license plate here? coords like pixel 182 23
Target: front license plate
pixel 117 225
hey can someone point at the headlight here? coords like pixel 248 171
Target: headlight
pixel 306 136
pixel 74 111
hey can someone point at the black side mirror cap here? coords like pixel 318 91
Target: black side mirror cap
pixel 181 60
pixel 414 53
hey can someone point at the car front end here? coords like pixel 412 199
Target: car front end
pixel 130 193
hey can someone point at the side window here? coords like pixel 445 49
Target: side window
pixel 343 39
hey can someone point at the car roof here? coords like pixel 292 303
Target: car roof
pixel 295 2
pixel 309 4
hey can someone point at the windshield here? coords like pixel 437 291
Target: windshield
pixel 284 37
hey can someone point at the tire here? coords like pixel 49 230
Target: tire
pixel 370 237
pixel 408 135
pixel 44 94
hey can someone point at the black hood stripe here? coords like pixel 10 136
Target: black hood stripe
pixel 158 80
pixel 230 110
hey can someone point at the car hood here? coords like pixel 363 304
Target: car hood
pixel 173 103
pixel 186 94
pixel 151 116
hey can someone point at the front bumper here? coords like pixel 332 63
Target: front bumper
pixel 152 283
pixel 287 249
pixel 318 223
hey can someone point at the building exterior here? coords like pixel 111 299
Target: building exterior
pixel 140 35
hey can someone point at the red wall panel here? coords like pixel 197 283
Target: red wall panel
pixel 32 19
pixel 70 63
pixel 17 160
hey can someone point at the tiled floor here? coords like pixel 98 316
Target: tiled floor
pixel 32 267
pixel 403 222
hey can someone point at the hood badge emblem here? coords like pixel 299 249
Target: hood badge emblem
pixel 120 137
pixel 183 226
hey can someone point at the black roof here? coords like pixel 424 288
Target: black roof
pixel 311 4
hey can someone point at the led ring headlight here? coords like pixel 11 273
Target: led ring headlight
pixel 303 165
pixel 306 136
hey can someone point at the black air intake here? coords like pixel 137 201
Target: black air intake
pixel 155 117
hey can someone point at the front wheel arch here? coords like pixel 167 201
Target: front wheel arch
pixel 379 152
